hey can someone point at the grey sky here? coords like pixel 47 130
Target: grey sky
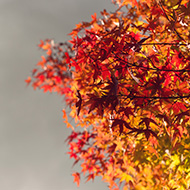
pixel 32 150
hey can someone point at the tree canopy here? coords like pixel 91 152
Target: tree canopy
pixel 125 77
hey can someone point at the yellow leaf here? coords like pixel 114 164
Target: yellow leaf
pixel 175 161
pixel 184 2
pixel 140 187
pixel 126 177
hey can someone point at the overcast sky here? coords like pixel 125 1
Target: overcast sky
pixel 32 133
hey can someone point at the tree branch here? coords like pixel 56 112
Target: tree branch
pixel 155 97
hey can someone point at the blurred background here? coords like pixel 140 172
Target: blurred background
pixel 32 133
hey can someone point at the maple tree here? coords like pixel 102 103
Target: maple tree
pixel 125 77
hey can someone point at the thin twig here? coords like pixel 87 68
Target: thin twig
pixel 155 97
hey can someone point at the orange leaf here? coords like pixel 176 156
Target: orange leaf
pixel 76 176
pixel 41 63
pixel 133 3
pixel 49 52
pixel 28 80
pixel 46 46
pixel 90 176
pixel 64 115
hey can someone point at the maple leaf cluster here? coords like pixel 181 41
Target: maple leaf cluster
pixel 125 77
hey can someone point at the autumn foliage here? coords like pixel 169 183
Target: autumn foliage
pixel 125 77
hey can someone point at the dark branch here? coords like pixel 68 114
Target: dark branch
pixel 155 97
pixel 165 43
